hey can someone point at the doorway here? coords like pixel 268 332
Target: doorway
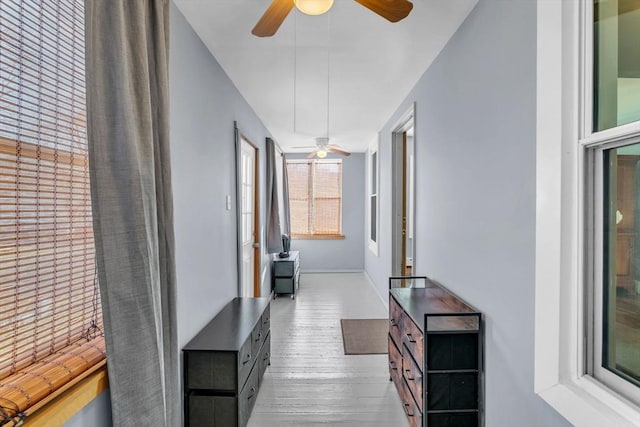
pixel 248 217
pixel 403 206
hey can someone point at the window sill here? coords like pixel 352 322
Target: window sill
pixel 317 237
pixel 69 402
pixel 587 403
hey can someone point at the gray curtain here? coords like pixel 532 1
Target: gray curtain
pixel 274 231
pixel 286 226
pixel 128 133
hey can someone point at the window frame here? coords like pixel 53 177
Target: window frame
pixel 594 261
pixel 310 188
pixel 373 150
pixel 563 304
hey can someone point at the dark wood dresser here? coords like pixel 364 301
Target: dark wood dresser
pixel 435 357
pixel 224 365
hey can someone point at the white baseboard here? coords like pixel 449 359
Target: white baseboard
pixel 385 302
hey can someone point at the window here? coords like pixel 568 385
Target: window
pixel 616 54
pixel 614 170
pixel 587 133
pixel 50 318
pixel 619 346
pixel 372 205
pixel 315 198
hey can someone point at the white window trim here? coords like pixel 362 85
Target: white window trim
pixel 373 148
pixel 559 364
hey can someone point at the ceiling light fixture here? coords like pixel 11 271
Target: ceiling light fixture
pixel 313 7
pixel 321 153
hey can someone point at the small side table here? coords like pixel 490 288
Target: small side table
pixel 285 274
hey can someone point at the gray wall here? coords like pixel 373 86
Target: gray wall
pixel 204 105
pixel 475 205
pixel 96 414
pixel 340 255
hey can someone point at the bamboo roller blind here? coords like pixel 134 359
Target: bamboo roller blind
pixel 49 300
pixel 315 196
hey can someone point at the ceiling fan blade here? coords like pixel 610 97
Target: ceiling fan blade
pixel 272 18
pixel 312 154
pixel 333 149
pixel 391 10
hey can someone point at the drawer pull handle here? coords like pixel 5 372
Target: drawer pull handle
pixel 408 375
pixel 411 338
pixel 393 322
pixel 248 359
pixel 406 410
pixel 392 365
pixel 251 393
pixel 266 356
pixel 259 336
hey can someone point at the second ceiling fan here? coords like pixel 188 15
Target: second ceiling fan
pixel 391 10
pixel 322 148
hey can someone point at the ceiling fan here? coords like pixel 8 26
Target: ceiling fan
pixel 322 148
pixel 391 10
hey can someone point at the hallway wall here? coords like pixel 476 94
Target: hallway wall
pixel 204 105
pixel 475 186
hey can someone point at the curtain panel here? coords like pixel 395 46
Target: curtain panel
pixel 274 231
pixel 286 226
pixel 128 133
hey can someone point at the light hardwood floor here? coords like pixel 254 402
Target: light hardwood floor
pixel 310 381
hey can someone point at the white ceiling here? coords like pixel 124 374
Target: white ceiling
pixel 372 63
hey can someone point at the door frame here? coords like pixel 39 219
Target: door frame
pixel 399 182
pixel 257 262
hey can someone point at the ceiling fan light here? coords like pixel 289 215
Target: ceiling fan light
pixel 321 153
pixel 313 7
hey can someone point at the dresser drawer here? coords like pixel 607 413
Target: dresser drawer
pixel 257 337
pixel 211 371
pixel 457 420
pixel 395 321
pixel 245 362
pixel 449 351
pixel 247 397
pixel 264 359
pixel 284 285
pixel 266 319
pixel 212 411
pixel 413 339
pixel 395 361
pixel 412 375
pixel 452 391
pixel 284 268
pixel 411 409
